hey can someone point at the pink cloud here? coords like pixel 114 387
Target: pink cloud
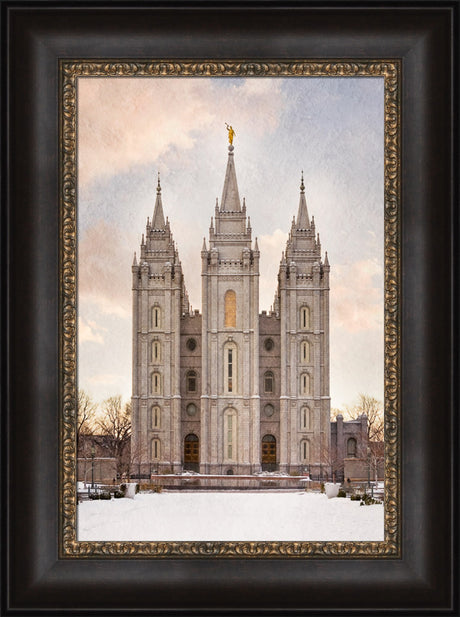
pixel 89 331
pixel 103 275
pixel 127 121
pixel 356 296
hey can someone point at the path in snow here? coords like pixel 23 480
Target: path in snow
pixel 230 517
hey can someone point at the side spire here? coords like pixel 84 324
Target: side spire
pixel 303 221
pixel 230 201
pixel 158 220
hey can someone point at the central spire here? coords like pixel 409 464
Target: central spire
pixel 158 221
pixel 230 201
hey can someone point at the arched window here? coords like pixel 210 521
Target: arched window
pixel 155 385
pixel 230 434
pixel 269 382
pixel 351 447
pixel 155 417
pixel 155 317
pixel 305 384
pixel 305 352
pixel 230 309
pixel 155 450
pixel 230 368
pixel 305 451
pixel 155 352
pixel 305 318
pixel 191 381
pixel 306 418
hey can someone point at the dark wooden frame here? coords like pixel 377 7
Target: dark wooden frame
pixel 424 36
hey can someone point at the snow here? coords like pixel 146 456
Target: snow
pixel 232 516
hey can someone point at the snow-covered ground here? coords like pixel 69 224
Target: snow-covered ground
pixel 232 516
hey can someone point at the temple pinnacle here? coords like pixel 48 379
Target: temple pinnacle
pixel 302 185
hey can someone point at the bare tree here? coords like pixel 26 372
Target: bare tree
pixel 373 409
pixel 334 413
pixel 86 412
pixel 114 427
pixel 133 462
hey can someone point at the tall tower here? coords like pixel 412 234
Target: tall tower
pixel 303 305
pixel 230 406
pixel 159 300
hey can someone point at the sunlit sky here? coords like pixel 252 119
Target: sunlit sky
pixel 131 128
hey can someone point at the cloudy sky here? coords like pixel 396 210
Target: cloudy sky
pixel 131 128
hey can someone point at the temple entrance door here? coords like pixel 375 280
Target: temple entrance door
pixel 269 453
pixel 192 453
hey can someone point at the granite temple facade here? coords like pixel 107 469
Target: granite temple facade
pixel 231 390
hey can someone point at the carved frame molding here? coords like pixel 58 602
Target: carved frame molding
pixel 69 72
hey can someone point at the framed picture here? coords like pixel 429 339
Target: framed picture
pixel 63 250
pixel 233 396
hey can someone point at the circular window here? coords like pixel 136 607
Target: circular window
pixel 269 410
pixel 269 344
pixel 191 409
pixel 191 344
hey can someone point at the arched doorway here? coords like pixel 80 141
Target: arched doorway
pixel 192 453
pixel 268 453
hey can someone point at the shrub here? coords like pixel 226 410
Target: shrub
pixel 157 488
pixel 367 500
pixel 137 488
pixel 294 473
pixel 355 498
pixel 122 489
pixel 118 494
pixel 341 494
pixel 323 490
pixel 105 495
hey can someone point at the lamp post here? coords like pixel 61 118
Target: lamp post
pixel 93 452
pixel 368 468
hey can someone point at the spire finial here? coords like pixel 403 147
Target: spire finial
pixel 302 186
pixel 231 134
pixel 159 186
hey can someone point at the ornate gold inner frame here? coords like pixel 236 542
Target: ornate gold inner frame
pixel 70 71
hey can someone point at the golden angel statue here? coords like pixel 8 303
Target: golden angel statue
pixel 231 133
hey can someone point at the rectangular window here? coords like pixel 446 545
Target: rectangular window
pixel 155 317
pixel 230 435
pixel 268 382
pixel 230 369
